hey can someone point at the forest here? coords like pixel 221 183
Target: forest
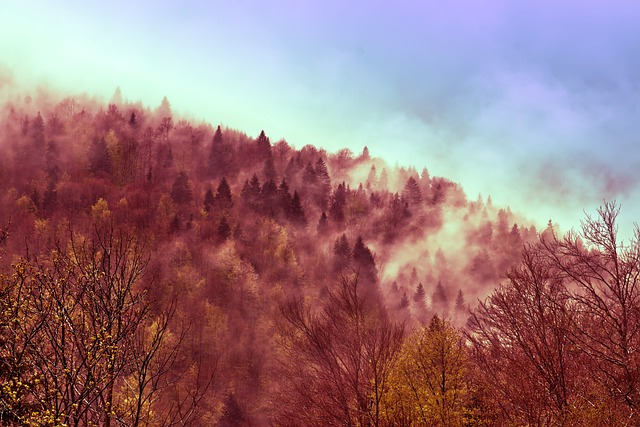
pixel 159 271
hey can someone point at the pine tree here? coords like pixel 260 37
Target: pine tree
pixel 412 192
pixel 338 201
pixel 341 253
pixel 362 255
pixel 419 295
pixel 251 191
pixel 285 196
pixel 224 229
pixel 218 155
pixel 439 299
pixel 264 145
pixel 460 305
pixel 296 212
pixel 181 192
pixel 208 200
pixel 404 301
pixel 309 176
pixel 372 178
pixel 37 132
pixel 223 198
pixel 323 224
pixel 270 198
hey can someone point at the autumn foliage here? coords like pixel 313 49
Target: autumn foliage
pixel 156 272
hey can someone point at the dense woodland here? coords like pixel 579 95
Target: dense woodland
pixel 157 272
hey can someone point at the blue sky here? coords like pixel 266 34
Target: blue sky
pixel 535 103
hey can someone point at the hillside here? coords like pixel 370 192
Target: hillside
pixel 159 271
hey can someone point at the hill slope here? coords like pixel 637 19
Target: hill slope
pixel 198 237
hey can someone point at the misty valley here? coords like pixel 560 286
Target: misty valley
pixel 158 271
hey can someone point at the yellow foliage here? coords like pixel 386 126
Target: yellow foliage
pixel 428 383
pixel 100 211
pixel 26 204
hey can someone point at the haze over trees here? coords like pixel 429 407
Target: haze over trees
pixel 155 271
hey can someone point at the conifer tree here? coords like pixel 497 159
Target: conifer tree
pixel 412 192
pixel 224 229
pixel 223 198
pixel 181 192
pixel 323 224
pixel 208 200
pixel 296 212
pixel 460 304
pixel 419 295
pixel 439 299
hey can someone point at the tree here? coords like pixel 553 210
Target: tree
pixel 521 343
pixel 218 155
pixel 429 383
pixel 295 213
pixel 208 200
pixel 223 198
pixel 79 322
pixel 224 229
pixel 601 272
pixel 419 296
pixel 251 192
pixel 412 192
pixel 99 159
pixel 263 145
pixel 338 202
pixel 460 306
pixel 341 253
pixel 181 192
pixel 336 361
pixel 37 132
pixel 439 299
pixel 364 261
pixel 323 224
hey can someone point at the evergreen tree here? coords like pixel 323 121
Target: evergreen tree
pixel 412 192
pixel 181 192
pixel 362 255
pixel 264 145
pixel 404 301
pixel 460 305
pixel 285 196
pixel 270 198
pixel 223 198
pixel 323 224
pixel 309 176
pixel 419 296
pixel 439 299
pixel 224 229
pixel 296 212
pixel 208 200
pixel 364 261
pixel 323 181
pixel 218 155
pixel 341 253
pixel 372 178
pixel 269 170
pixel 37 132
pixel 251 192
pixel 338 201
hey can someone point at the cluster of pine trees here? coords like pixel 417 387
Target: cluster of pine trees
pixel 160 272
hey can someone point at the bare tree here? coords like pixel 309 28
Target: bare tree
pixel 557 342
pixel 336 361
pixel 602 275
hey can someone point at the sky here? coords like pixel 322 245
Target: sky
pixel 535 103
